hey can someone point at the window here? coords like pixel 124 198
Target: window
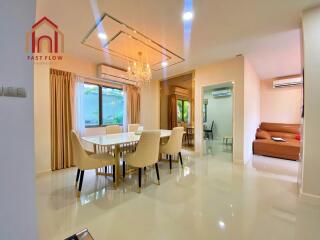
pixel 102 105
pixel 183 111
pixel 91 105
pixel 112 106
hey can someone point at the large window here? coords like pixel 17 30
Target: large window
pixel 102 105
pixel 183 111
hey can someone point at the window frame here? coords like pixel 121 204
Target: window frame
pixel 182 113
pixel 100 86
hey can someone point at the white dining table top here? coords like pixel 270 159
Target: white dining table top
pixel 119 138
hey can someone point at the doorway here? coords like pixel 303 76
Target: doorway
pixel 217 103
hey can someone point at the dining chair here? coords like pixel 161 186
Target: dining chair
pixel 174 145
pixel 146 154
pixel 133 127
pixel 84 161
pixel 113 129
pixel 208 132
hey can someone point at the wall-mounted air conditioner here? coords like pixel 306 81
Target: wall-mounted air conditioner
pixel 112 73
pixel 222 92
pixel 288 82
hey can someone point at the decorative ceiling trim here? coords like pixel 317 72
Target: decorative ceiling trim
pixel 168 54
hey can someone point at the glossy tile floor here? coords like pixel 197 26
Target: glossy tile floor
pixel 210 198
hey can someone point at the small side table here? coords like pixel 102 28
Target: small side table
pixel 226 139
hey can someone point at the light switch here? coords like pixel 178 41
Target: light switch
pixel 10 92
pixel 21 92
pixel 13 92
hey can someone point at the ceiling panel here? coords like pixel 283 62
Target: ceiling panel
pixel 123 44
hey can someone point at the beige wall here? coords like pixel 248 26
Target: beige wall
pixel 251 108
pixel 42 117
pixel 280 105
pixel 150 105
pixel 311 150
pixel 226 71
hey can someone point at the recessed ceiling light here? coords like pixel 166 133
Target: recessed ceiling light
pixel 164 64
pixel 102 36
pixel 187 16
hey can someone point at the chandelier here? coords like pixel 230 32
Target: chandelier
pixel 140 71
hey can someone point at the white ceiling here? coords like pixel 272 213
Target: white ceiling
pixel 267 32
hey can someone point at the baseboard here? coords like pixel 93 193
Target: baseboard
pixel 40 173
pixel 309 198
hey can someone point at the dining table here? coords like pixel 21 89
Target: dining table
pixel 116 142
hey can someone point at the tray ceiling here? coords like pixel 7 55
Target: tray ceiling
pixel 123 43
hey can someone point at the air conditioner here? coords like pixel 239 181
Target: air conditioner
pixel 287 82
pixel 112 73
pixel 222 92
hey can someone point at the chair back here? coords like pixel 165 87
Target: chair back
pixel 147 152
pixel 133 127
pixel 113 129
pixel 79 153
pixel 175 141
pixel 212 125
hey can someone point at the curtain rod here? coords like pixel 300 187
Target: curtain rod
pixel 128 82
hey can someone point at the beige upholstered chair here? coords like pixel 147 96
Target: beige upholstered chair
pixel 112 129
pixel 133 127
pixel 146 154
pixel 84 161
pixel 174 145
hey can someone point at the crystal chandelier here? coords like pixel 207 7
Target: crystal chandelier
pixel 140 71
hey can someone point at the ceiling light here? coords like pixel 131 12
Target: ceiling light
pixel 187 16
pixel 222 225
pixel 164 64
pixel 102 36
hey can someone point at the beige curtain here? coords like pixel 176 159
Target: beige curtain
pixel 133 104
pixel 172 111
pixel 62 88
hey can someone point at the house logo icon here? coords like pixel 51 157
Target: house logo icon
pixel 45 38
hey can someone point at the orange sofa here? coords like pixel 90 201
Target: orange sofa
pixel 264 145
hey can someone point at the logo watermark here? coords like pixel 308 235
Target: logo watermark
pixel 45 42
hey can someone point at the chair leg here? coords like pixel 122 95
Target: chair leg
pixel 114 173
pixel 78 174
pixel 170 162
pixel 123 169
pixel 80 184
pixel 157 171
pixel 180 159
pixel 139 190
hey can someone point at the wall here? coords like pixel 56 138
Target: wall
pixel 17 183
pixel 220 110
pixel 251 108
pixel 280 105
pixel 226 71
pixel 311 152
pixel 150 105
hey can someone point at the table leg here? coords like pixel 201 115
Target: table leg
pixel 117 156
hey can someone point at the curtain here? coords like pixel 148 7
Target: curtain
pixel 132 107
pixel 62 93
pixel 78 107
pixel 172 111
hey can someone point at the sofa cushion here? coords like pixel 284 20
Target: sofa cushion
pixel 280 127
pixel 261 134
pixel 283 135
pixel 290 149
